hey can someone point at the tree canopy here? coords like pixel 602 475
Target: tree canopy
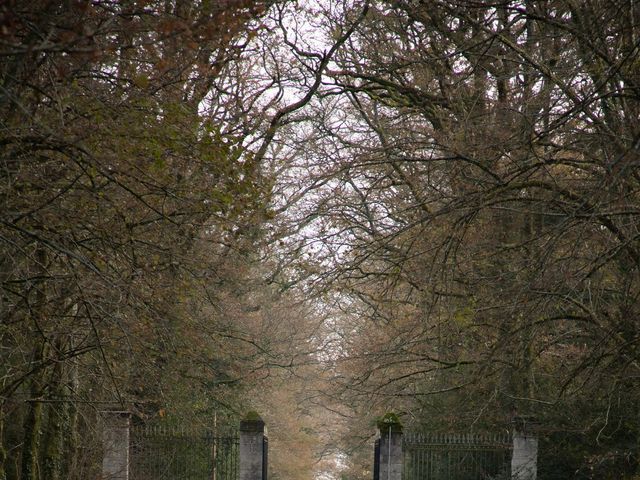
pixel 428 207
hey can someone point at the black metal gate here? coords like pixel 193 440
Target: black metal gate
pixel 431 456
pixel 169 453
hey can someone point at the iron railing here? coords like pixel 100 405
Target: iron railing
pixel 169 453
pixel 433 456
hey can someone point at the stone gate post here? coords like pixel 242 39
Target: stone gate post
pixel 115 442
pixel 389 449
pixel 253 448
pixel 376 460
pixel 524 460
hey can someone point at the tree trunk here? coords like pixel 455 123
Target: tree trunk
pixel 58 418
pixel 32 429
pixel 70 427
pixel 33 420
pixel 3 451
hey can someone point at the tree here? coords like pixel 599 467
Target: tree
pixel 481 210
pixel 112 183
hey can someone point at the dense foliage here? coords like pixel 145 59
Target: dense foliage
pixel 338 208
pixel 481 225
pixel 130 217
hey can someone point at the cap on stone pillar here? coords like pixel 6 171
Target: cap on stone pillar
pixel 252 422
pixel 525 424
pixel 389 422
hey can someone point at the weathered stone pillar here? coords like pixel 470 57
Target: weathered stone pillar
pixel 115 441
pixel 376 460
pixel 390 457
pixel 253 448
pixel 524 461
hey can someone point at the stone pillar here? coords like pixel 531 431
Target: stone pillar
pixel 390 457
pixel 115 441
pixel 524 461
pixel 253 448
pixel 376 460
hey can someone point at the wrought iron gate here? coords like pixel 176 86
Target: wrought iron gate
pixel 165 453
pixel 431 456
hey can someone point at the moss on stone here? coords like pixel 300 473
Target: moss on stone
pixel 252 416
pixel 389 422
pixel 252 422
